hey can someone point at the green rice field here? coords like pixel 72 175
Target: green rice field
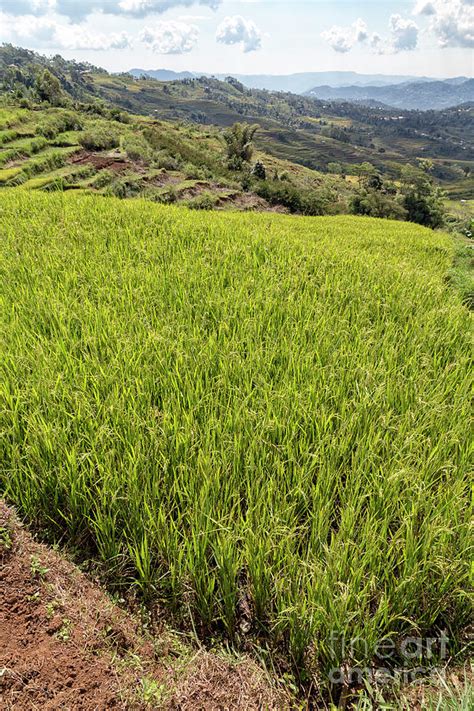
pixel 259 422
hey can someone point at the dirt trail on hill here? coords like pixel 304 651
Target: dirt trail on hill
pixel 65 645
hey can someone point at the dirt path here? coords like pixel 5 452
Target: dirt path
pixel 65 645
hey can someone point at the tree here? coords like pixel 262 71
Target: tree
pixel 364 171
pixel 239 144
pixel 334 167
pixel 422 200
pixel 48 88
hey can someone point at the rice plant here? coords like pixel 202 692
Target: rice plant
pixel 251 418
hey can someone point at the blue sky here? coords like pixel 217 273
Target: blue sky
pixel 421 37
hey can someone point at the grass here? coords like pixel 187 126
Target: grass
pixel 441 691
pixel 258 421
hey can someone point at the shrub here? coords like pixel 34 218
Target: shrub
pixel 205 201
pixel 305 202
pixel 165 161
pixel 376 204
pixel 259 170
pixel 59 123
pixel 137 149
pixel 104 178
pixel 98 139
pixel 239 140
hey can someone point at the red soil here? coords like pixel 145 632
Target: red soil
pixel 65 645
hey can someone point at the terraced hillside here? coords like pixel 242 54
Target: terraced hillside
pixel 316 134
pixel 258 421
pixel 111 152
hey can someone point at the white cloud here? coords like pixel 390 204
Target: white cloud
pixel 360 30
pixel 46 33
pixel 239 30
pixel 171 37
pixel 404 34
pixel 343 39
pixel 376 43
pixel 140 8
pixel 79 9
pixel 28 7
pixel 451 21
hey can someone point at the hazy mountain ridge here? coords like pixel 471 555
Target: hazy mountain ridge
pixel 299 83
pixel 408 95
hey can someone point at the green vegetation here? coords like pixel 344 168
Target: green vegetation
pixel 239 140
pixel 204 169
pixel 326 136
pixel 127 156
pixel 256 420
pixel 99 138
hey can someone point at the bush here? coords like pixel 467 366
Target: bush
pixel 376 204
pixel 99 139
pixel 137 148
pixel 423 209
pixel 259 170
pixel 304 202
pixel 104 178
pixel 59 123
pixel 165 161
pixel 205 201
pixel 126 187
pixel 422 200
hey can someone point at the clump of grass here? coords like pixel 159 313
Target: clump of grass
pixel 205 201
pixel 99 138
pixel 8 173
pixel 258 420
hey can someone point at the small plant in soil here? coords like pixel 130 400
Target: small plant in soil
pixel 6 540
pixel 150 691
pixel 51 608
pixel 64 632
pixel 37 569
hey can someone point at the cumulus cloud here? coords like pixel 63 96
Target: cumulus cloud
pixel 79 9
pixel 451 21
pixel 376 43
pixel 404 33
pixel 170 37
pixel 403 36
pixel 239 30
pixel 343 39
pixel 46 33
pixel 360 30
pixel 140 8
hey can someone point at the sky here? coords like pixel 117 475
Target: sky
pixel 417 37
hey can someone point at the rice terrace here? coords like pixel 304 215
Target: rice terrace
pixel 235 378
pixel 257 420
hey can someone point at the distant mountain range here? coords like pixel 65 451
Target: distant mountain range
pixel 295 83
pixel 401 92
pixel 407 95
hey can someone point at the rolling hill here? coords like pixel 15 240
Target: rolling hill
pixel 408 95
pixel 295 83
pixel 114 153
pixel 321 135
